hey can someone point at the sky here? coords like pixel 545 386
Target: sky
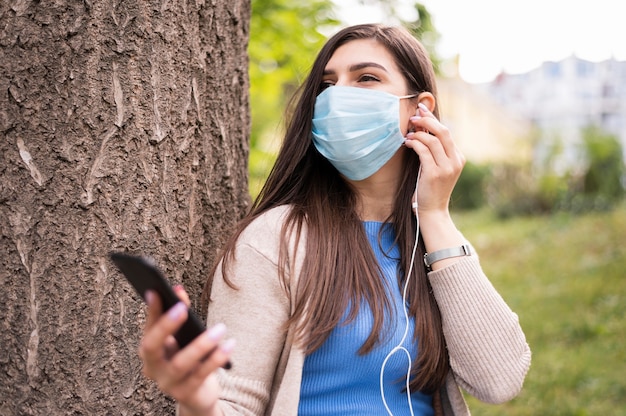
pixel 491 36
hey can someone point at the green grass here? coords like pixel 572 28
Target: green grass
pixel 565 276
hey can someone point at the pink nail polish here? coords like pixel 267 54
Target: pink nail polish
pixel 216 332
pixel 423 107
pixel 176 311
pixel 228 345
pixel 149 295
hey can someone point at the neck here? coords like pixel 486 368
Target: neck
pixel 378 192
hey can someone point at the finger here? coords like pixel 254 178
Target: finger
pixel 155 340
pixel 182 294
pixel 220 357
pixel 202 356
pixel 427 161
pixel 431 148
pixel 431 124
pixel 437 163
pixel 426 124
pixel 155 307
pixel 203 346
pixel 423 111
pixel 170 348
pixel 444 151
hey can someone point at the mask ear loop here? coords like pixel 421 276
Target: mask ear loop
pixel 399 347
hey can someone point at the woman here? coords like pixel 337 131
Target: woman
pixel 320 287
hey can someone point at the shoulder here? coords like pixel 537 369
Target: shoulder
pixel 265 230
pixel 262 250
pixel 270 222
pixel 265 234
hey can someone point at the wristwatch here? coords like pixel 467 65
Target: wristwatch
pixel 446 253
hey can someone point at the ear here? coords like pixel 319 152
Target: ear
pixel 428 99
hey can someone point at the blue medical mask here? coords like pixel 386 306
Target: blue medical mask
pixel 357 129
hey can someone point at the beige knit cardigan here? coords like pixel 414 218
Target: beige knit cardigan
pixel 489 356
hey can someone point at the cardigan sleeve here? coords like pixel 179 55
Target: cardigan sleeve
pixel 254 313
pixel 489 356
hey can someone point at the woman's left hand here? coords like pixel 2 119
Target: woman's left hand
pixel 441 161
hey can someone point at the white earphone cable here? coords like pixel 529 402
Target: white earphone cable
pixel 399 347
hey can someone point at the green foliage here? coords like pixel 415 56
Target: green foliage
pixel 469 192
pixel 512 190
pixel 570 294
pixel 593 184
pixel 284 38
pixel 424 30
pixel 605 165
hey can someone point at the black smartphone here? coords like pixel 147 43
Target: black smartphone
pixel 144 275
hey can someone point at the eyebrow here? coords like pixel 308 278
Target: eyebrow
pixel 361 65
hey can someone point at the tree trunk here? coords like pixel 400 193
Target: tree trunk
pixel 123 126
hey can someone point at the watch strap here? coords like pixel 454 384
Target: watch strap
pixel 446 253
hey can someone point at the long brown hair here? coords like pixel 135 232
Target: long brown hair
pixel 340 270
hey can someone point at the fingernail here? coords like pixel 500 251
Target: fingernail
pixel 423 107
pixel 228 345
pixel 415 118
pixel 216 332
pixel 149 295
pixel 176 311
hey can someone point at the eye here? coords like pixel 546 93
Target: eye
pixel 325 84
pixel 368 78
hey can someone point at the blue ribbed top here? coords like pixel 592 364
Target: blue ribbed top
pixel 336 380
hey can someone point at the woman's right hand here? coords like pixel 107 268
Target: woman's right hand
pixel 183 374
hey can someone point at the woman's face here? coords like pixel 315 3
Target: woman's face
pixel 365 63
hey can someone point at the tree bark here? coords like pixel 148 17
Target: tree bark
pixel 123 127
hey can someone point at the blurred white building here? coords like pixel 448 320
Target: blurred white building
pixel 484 130
pixel 561 98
